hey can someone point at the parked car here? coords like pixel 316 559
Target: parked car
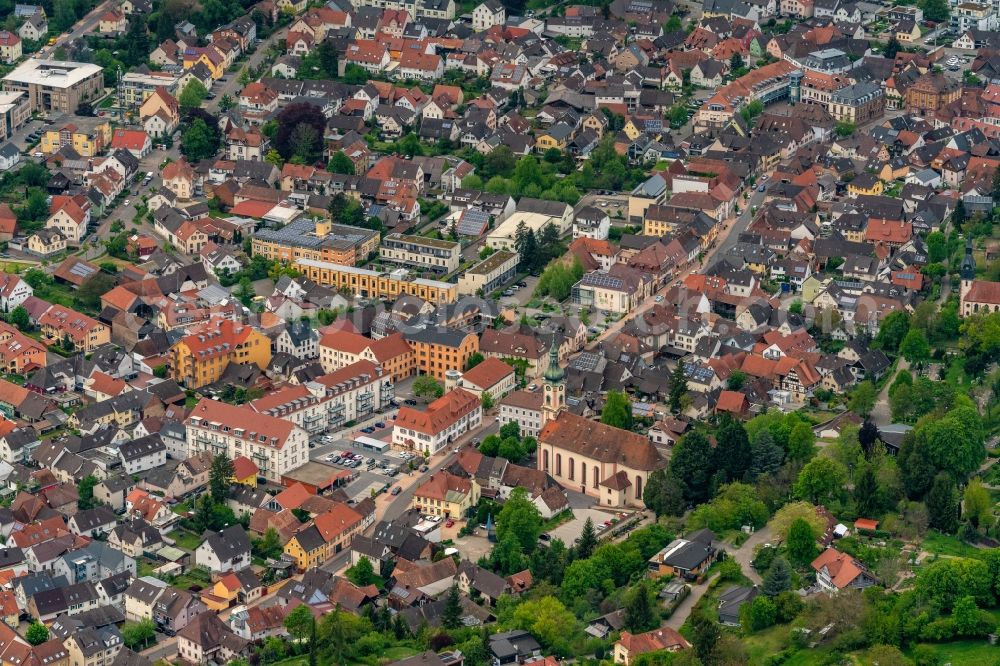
pixel 380 425
pixel 424 468
pixel 368 430
pixel 410 401
pixel 395 491
pixel 450 523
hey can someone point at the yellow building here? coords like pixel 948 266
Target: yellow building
pixel 865 183
pixel 445 494
pixel 372 284
pixel 200 359
pixel 244 472
pixel 88 143
pixel 208 56
pixel 46 242
pixel 60 325
pixel 557 137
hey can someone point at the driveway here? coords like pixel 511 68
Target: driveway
pixel 743 555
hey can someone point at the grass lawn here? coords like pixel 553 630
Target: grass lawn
pixel 949 546
pixel 185 539
pixel 965 653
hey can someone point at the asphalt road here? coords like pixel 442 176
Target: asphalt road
pixel 231 81
pixel 82 27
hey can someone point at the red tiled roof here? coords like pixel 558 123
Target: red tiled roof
pixel 439 414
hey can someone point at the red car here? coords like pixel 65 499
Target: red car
pixel 450 523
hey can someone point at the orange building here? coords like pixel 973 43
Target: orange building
pixel 440 350
pixel 201 358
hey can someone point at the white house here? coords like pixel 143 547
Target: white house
pixel 10 156
pixel 488 14
pixel 141 454
pixel 228 550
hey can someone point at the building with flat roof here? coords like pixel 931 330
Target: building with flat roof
pixel 137 86
pixel 440 256
pixel 15 111
pixel 55 85
pixel 491 273
pixel 318 240
pixel 373 284
pixel 535 213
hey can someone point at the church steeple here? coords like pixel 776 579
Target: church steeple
pixel 555 386
pixel 968 263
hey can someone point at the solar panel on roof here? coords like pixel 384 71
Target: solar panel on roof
pixel 473 222
pixel 82 270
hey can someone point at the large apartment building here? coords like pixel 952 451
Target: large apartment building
pixel 318 240
pixel 340 349
pixel 440 256
pixel 348 394
pixel 439 9
pixel 200 359
pixel 373 284
pixel 274 444
pixel 491 273
pixel 55 85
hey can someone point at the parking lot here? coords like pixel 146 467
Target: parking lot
pixel 372 469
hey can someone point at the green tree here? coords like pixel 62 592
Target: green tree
pixel 138 635
pixel 942 504
pixel 691 466
pixel 801 441
pixel 20 318
pixel 778 578
pixel 451 618
pixel 474 359
pixel 363 573
pixel 801 546
pixel 915 466
pixel 86 491
pixel 427 388
pixel 866 493
pixel 766 456
pixel 37 633
pixel 892 331
pixel 955 441
pixel 550 622
pixel 759 614
pixel 662 494
pixel 892 47
pixel 705 635
pixel 737 380
pixel 340 163
pixel 588 540
pixel 193 95
pixel 486 399
pixel 821 480
pixel 88 296
pixel 220 476
pixel 299 622
pixel 678 389
pixel 617 411
pixel 198 141
pixel 640 615
pixel 269 546
pixel 845 128
pixel 914 347
pixel 937 247
pixel 520 518
pixel 732 451
pixel 976 504
pixel 862 400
